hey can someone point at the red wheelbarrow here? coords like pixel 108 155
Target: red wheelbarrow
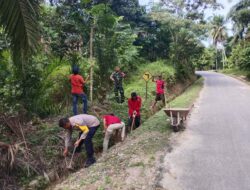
pixel 177 117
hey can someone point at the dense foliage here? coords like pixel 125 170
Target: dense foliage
pixel 123 35
pixel 241 56
pixel 40 42
pixel 239 46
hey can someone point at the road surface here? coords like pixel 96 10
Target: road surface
pixel 213 153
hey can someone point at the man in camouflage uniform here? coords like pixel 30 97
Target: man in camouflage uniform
pixel 117 78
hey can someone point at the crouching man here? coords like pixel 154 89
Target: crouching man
pixel 87 126
pixel 111 123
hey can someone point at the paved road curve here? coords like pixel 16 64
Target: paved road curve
pixel 214 151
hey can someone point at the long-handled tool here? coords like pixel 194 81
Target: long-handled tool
pixel 70 163
pixel 133 123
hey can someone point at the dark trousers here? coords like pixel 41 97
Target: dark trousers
pixel 136 123
pixel 84 101
pixel 119 89
pixel 88 142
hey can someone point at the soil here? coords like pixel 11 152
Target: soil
pixel 128 165
pixel 133 164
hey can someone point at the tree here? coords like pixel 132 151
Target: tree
pixel 193 10
pixel 19 20
pixel 219 36
pixel 206 60
pixel 240 15
pixel 184 44
pixel 64 28
pixel 240 56
pixel 113 46
pixel 130 10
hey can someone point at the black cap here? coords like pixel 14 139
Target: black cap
pixel 133 94
pixel 75 69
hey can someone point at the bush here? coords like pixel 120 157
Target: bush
pixel 241 56
pixel 136 82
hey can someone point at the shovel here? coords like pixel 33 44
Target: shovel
pixel 70 163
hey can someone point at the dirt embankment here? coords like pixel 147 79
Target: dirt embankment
pixel 133 164
pixel 128 165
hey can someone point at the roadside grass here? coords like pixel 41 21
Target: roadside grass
pixel 46 136
pixel 137 84
pixel 187 98
pixel 158 121
pixel 142 149
pixel 237 72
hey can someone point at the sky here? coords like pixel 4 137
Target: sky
pixel 226 3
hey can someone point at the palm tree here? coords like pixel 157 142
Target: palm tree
pixel 19 20
pixel 240 15
pixel 219 36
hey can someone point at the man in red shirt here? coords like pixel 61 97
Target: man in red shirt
pixel 160 85
pixel 77 83
pixel 110 124
pixel 134 106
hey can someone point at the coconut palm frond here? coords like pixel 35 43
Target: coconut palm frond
pixel 19 20
pixel 241 5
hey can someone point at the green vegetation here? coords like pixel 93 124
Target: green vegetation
pixel 137 84
pixel 235 71
pixel 229 54
pixel 40 42
pixel 187 98
pixel 123 35
pixel 139 151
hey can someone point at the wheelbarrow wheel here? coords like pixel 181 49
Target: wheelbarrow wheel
pixel 175 128
pixel 182 126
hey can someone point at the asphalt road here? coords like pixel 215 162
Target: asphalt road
pixel 213 153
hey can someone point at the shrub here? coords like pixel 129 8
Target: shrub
pixel 241 56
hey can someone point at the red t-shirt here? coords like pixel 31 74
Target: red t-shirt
pixel 110 119
pixel 134 105
pixel 76 84
pixel 159 86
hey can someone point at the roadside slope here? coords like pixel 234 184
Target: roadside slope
pixel 132 164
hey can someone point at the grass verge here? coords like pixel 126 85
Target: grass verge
pixel 243 74
pixel 131 164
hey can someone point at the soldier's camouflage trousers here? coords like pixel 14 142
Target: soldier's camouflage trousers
pixel 117 90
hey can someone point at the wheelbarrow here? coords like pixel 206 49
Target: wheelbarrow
pixel 177 117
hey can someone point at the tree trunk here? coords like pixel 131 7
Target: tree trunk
pixel 91 62
pixel 216 60
pixel 223 60
pixel 224 56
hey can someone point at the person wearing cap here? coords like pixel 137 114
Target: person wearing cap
pixel 134 107
pixel 77 83
pixel 117 78
pixel 111 123
pixel 87 126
